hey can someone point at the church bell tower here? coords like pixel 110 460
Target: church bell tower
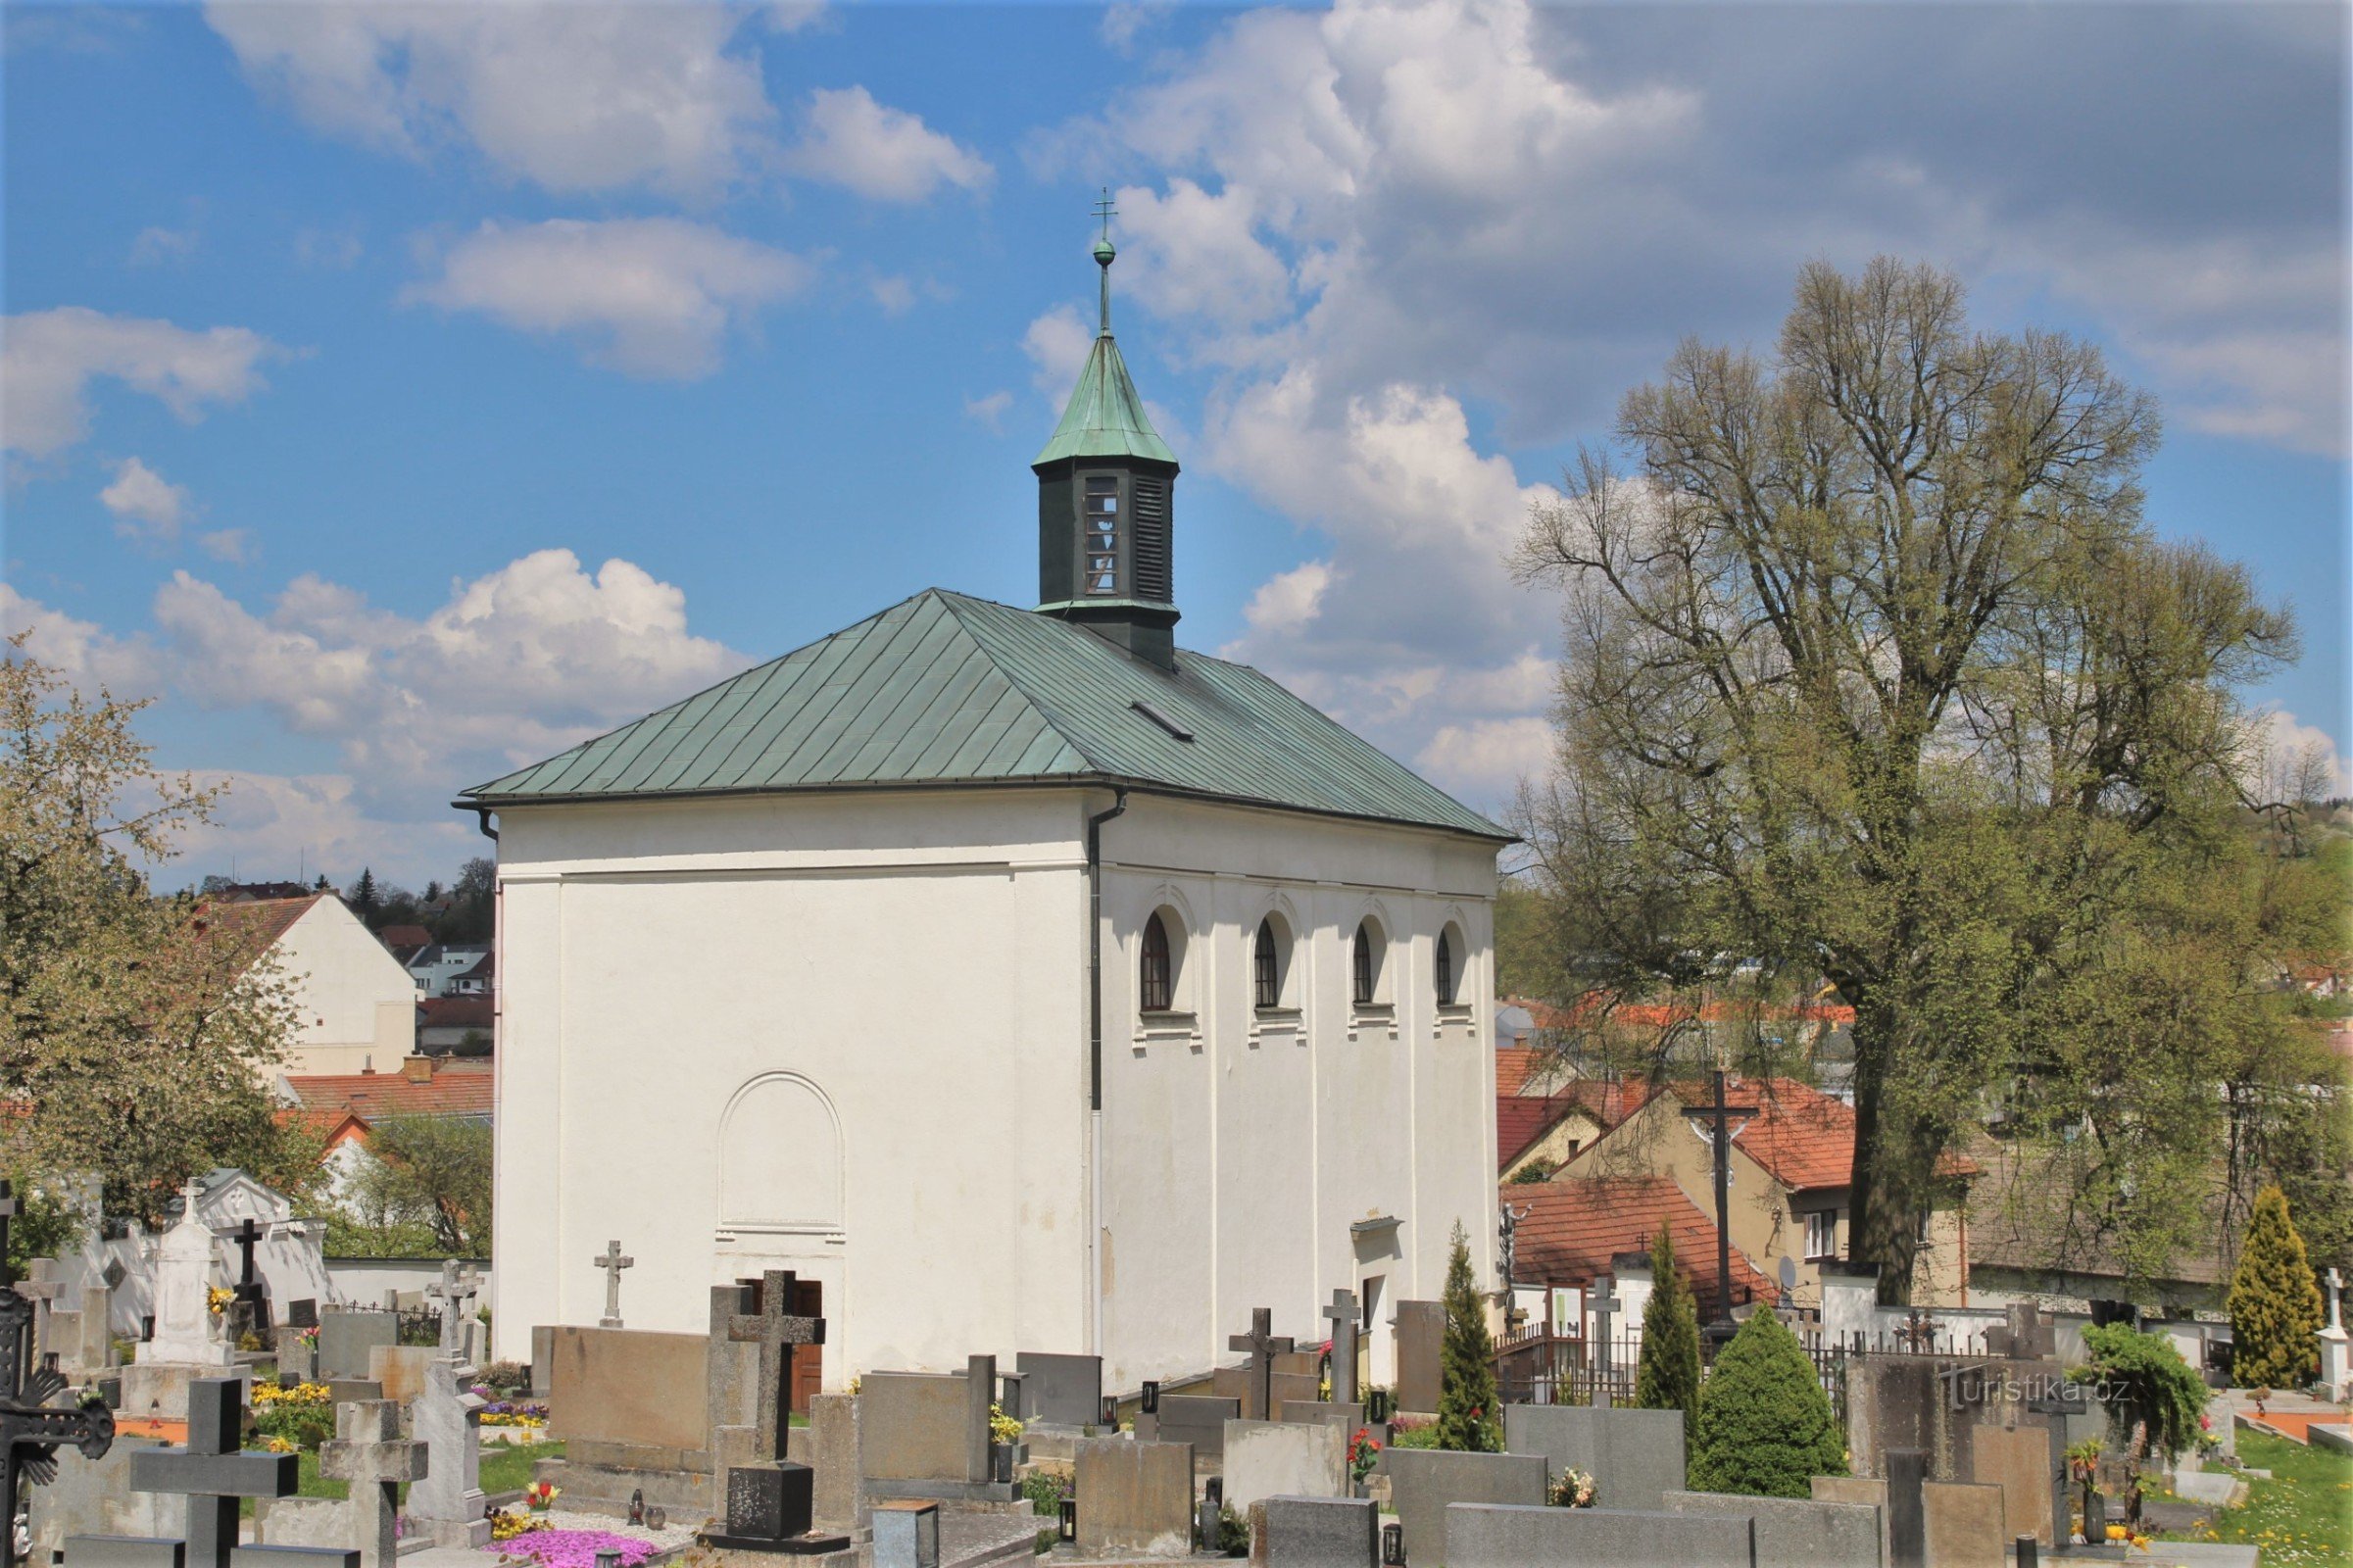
pixel 1106 483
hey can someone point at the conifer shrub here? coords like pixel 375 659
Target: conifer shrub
pixel 2275 1302
pixel 1667 1377
pixel 1765 1427
pixel 1469 1417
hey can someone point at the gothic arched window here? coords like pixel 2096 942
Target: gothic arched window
pixel 1154 982
pixel 1368 964
pixel 1446 968
pixel 1267 968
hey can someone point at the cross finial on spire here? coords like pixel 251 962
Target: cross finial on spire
pixel 1106 210
pixel 1104 254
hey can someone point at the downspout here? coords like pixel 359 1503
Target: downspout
pixel 1094 1065
pixel 482 819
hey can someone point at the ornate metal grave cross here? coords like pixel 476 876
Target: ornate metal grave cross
pixel 30 1429
pixel 1342 1315
pixel 455 1290
pixel 1718 1116
pixel 211 1471
pixel 776 1330
pixel 1263 1346
pixel 1604 1304
pixel 612 1262
pixel 1918 1333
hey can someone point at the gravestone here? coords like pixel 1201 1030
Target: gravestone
pixel 835 1446
pixel 292 1557
pixel 1961 1523
pixel 1060 1390
pixel 1343 1314
pixel 31 1430
pixel 211 1470
pixel 1861 1492
pixel 455 1290
pixel 186 1343
pixel 1263 1346
pixel 1488 1535
pixel 1796 1531
pixel 1134 1497
pixel 1421 1330
pixel 906 1534
pixel 771 1504
pixel 249 1303
pixel 912 1428
pixel 980 1393
pixel 1283 1459
pixel 402 1371
pixel 1907 1530
pixel 123 1551
pixel 43 1289
pixel 95 1497
pixel 1197 1420
pixel 1330 1412
pixel 1636 1457
pixel 2018 1461
pixel 368 1453
pixel 1315 1533
pixel 1424 1482
pixel 447 1502
pixel 348 1339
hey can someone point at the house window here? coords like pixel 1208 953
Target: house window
pixel 1154 979
pixel 1267 968
pixel 1366 962
pixel 1822 1234
pixel 1446 968
pixel 1101 507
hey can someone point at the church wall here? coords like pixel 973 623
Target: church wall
pixel 841 1035
pixel 1312 1122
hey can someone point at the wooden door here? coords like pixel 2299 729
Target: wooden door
pixel 809 1360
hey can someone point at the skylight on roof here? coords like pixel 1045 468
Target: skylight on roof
pixel 1161 720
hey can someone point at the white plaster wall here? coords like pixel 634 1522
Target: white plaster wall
pixel 919 959
pixel 1237 1158
pixel 353 1000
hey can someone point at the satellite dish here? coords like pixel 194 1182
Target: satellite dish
pixel 1789 1274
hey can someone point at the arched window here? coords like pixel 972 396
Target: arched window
pixel 1367 963
pixel 1446 968
pixel 1267 968
pixel 1157 973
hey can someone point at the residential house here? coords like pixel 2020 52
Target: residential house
pixel 460 1025
pixel 446 968
pixel 2032 1239
pixel 354 1003
pixel 1569 1234
pixel 424 1085
pixel 405 942
pixel 1542 1132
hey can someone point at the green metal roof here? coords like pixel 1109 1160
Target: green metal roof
pixel 1105 418
pixel 946 689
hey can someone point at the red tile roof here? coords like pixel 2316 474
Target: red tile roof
pixel 1512 1067
pixel 1601 1008
pixel 258 922
pixel 457 1012
pixel 1574 1226
pixel 1803 1137
pixel 405 937
pixel 1520 1122
pixel 451 1091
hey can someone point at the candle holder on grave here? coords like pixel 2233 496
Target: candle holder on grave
pixel 1067 1525
pixel 1151 1405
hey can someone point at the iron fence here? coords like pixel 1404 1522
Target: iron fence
pixel 1539 1367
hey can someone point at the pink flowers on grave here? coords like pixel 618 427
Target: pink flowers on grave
pixel 574 1549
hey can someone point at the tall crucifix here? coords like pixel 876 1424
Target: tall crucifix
pixel 1719 1118
pixel 455 1290
pixel 1343 1316
pixel 776 1330
pixel 249 1293
pixel 1263 1346
pixel 1604 1303
pixel 30 1431
pixel 612 1262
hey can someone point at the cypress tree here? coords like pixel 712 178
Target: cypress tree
pixel 1469 1418
pixel 1668 1374
pixel 2274 1302
pixel 1765 1426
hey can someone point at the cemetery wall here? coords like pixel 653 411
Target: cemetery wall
pixel 1387 1113
pixel 837 1011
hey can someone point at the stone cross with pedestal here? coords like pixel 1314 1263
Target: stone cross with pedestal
pixel 612 1262
pixel 368 1451
pixel 1263 1346
pixel 1343 1316
pixel 1604 1304
pixel 213 1472
pixel 455 1291
pixel 771 1505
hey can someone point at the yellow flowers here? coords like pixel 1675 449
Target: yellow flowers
pixel 505 1524
pixel 216 1300
pixel 277 1445
pixel 1003 1428
pixel 270 1396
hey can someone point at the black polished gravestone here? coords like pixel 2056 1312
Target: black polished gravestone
pixel 771 1505
pixel 212 1471
pixel 249 1297
pixel 30 1431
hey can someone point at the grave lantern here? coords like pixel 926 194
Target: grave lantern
pixel 1152 1399
pixel 1376 1404
pixel 1068 1530
pixel 1110 1413
pixel 1392 1544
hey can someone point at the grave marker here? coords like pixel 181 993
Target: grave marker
pixel 771 1505
pixel 455 1291
pixel 1421 1328
pixel 612 1262
pixel 212 1472
pixel 1720 1117
pixel 368 1453
pixel 30 1432
pixel 1342 1315
pixel 1263 1346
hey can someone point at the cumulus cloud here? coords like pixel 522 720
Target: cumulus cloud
pixel 648 295
pixel 1289 600
pixel 990 409
pixel 1057 343
pixel 1488 759
pixel 51 358
pixel 880 152
pixel 146 506
pixel 572 97
pixel 84 652
pixel 2286 757
pixel 518 664
pixel 157 245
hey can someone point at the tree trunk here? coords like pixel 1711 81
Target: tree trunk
pixel 1880 1223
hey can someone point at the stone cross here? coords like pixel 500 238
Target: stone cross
pixel 612 1262
pixel 455 1290
pixel 1604 1304
pixel 42 1288
pixel 30 1431
pixel 368 1451
pixel 1720 1117
pixel 211 1470
pixel 1263 1346
pixel 776 1330
pixel 447 1417
pixel 1344 1315
pixel 2336 1285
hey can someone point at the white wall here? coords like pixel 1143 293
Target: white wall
pixel 353 1001
pixel 906 969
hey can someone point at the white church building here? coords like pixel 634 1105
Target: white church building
pixel 1029 983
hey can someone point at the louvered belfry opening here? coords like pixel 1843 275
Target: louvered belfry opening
pixel 1150 531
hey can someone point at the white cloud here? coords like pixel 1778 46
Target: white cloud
pixel 880 152
pixel 328 249
pixel 514 666
pixel 1488 759
pixel 84 652
pixel 650 296
pixel 1124 21
pixel 895 295
pixel 233 545
pixel 2281 749
pixel 145 505
pixel 1197 254
pixel 989 410
pixel 573 97
pixel 51 358
pixel 270 825
pixel 1289 600
pixel 154 246
pixel 1057 343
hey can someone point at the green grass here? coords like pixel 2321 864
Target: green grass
pixel 2302 1516
pixel 504 1468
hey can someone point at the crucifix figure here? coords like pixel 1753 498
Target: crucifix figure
pixel 1507 1244
pixel 1604 1304
pixel 1918 1333
pixel 30 1429
pixel 455 1290
pixel 2336 1285
pixel 1343 1314
pixel 612 1262
pixel 1263 1346
pixel 776 1330
pixel 213 1472
pixel 1718 1116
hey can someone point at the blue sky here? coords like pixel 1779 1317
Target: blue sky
pixel 399 394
